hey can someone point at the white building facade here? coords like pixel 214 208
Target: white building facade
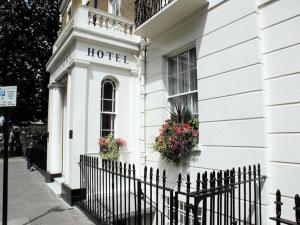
pixel 235 62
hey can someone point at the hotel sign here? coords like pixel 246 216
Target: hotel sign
pixel 108 55
pixel 8 96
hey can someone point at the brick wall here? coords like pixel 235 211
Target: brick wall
pixel 75 5
pixel 128 9
pixel 103 5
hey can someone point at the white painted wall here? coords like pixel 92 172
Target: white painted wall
pixel 231 89
pixel 81 104
pixel 248 92
pixel 279 24
pixel 230 84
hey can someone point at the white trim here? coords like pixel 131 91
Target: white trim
pixel 113 11
pixel 113 100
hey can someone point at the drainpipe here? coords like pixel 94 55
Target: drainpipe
pixel 142 59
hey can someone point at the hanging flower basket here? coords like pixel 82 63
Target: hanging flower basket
pixel 110 147
pixel 178 136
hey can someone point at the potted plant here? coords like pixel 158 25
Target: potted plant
pixel 110 147
pixel 178 135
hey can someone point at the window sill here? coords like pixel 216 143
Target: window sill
pixel 197 148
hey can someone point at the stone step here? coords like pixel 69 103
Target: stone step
pixel 59 180
pixel 55 186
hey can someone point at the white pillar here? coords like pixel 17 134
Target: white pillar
pixel 142 59
pixel 54 154
pixel 78 92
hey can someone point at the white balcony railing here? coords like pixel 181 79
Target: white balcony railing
pixel 97 21
pixel 107 21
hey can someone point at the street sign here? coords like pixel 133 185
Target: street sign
pixel 8 96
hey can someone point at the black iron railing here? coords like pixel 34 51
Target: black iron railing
pixel 279 204
pixel 113 194
pixel 145 9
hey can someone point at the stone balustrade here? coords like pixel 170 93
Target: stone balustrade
pixel 106 21
pixel 96 20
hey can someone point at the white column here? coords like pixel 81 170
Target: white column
pixel 142 74
pixel 78 120
pixel 54 154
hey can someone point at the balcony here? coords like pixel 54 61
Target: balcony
pixel 98 23
pixel 152 17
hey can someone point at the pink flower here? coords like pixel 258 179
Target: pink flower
pixel 178 130
pixel 103 141
pixel 195 133
pixel 121 142
pixel 187 126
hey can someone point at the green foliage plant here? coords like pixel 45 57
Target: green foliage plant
pixel 178 135
pixel 110 146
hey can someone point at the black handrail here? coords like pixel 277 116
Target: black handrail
pixel 145 9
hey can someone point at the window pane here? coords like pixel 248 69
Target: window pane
pixel 195 103
pixel 193 79
pixel 193 61
pixel 183 62
pixel 108 121
pixel 105 133
pixel 172 63
pixel 183 82
pixel 108 91
pixel 173 85
pixel 108 106
pixel 173 102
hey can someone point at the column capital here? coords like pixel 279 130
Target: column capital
pixel 54 85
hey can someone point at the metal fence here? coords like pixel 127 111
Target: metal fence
pixel 145 9
pixel 113 194
pixel 279 204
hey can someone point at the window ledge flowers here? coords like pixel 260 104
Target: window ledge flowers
pixel 178 136
pixel 110 147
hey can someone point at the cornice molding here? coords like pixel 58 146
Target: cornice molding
pixel 55 85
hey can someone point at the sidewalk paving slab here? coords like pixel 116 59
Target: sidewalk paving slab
pixel 29 197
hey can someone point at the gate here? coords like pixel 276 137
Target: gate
pixel 113 194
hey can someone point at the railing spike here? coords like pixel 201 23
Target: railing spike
pixel 129 170
pixel 151 174
pixel 278 204
pixel 120 167
pixel 188 183
pixel 145 173
pixel 198 182
pixel 164 176
pixel 179 181
pixel 297 208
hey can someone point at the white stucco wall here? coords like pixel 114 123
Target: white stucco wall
pixel 230 84
pixel 248 92
pixel 279 24
pixel 231 89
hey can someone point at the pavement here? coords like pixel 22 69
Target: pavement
pixel 31 202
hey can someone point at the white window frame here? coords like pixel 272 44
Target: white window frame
pixel 69 11
pixel 113 112
pixel 181 212
pixel 187 93
pixel 112 7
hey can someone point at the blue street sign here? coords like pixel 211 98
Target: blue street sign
pixel 2 93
